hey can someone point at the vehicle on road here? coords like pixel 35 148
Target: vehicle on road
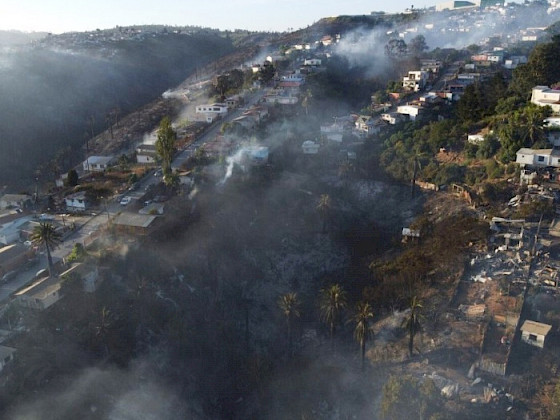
pixel 125 200
pixel 8 276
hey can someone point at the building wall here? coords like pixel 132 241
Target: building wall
pixel 534 340
pixel 145 159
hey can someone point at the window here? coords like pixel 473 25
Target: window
pixel 532 337
pixel 540 158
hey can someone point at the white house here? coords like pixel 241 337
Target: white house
pixel 312 62
pixel 538 157
pixel 415 80
pixel 281 99
pixel 212 111
pixel 256 155
pixel 88 275
pixel 333 132
pixel 310 147
pixel 76 202
pixel 429 65
pixel 544 96
pixel 391 117
pixel 413 111
pixel 41 294
pixel 366 126
pixel 146 154
pixel 97 163
pixel 534 333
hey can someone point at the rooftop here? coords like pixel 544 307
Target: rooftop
pixel 134 220
pixel 537 328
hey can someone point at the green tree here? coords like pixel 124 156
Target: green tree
pixel 417 45
pixel 165 144
pixel 362 329
pixel 395 48
pixel 541 68
pixel 72 178
pixel 332 302
pixel 78 253
pixel 412 322
pixel 45 234
pixel 289 304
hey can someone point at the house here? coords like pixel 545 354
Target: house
pixel 88 274
pixel 41 294
pixel 10 226
pixel 310 147
pixel 6 356
pixel 514 61
pixel 15 201
pixel 534 333
pixel 429 65
pixel 233 102
pixel 146 154
pixel 97 163
pixel 366 125
pixel 152 209
pixel 333 132
pixel 553 137
pixel 479 137
pixel 409 234
pixel 392 118
pixel 415 80
pixel 413 111
pixel 281 99
pixel 256 155
pixel 544 96
pixel 211 112
pixel 312 62
pixel 61 180
pixel 538 157
pixel 77 202
pixel 248 122
pixel 135 224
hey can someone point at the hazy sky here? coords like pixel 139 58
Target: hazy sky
pixel 276 15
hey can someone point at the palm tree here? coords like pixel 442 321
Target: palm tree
pixel 289 304
pixel 412 322
pixel 324 208
pixel 333 301
pixel 362 331
pixel 45 234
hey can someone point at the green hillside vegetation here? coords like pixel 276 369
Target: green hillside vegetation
pixel 502 107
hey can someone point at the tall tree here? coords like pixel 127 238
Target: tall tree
pixel 412 322
pixel 45 234
pixel 324 208
pixel 165 144
pixel 333 302
pixel 362 330
pixel 417 45
pixel 289 304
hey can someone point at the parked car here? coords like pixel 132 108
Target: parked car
pixel 125 200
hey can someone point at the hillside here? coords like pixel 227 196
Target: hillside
pixel 53 89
